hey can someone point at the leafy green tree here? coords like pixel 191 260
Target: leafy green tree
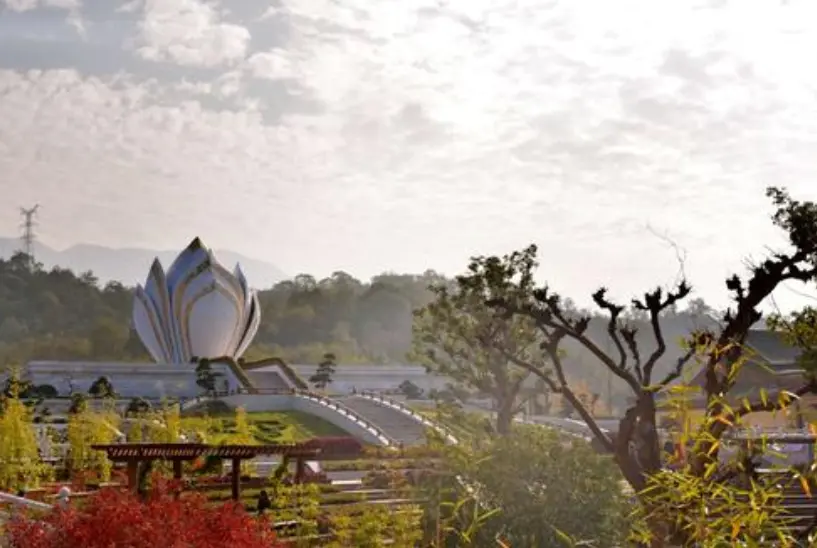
pixel 79 404
pixel 137 407
pixel 326 370
pixel 108 338
pixel 410 390
pixel 458 335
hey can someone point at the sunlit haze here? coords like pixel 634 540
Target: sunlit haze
pixel 372 135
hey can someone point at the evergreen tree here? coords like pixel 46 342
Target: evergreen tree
pixel 102 388
pixel 326 370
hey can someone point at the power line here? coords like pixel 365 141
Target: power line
pixel 28 236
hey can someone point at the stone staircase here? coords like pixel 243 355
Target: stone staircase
pixel 397 425
pixel 800 507
pixel 796 510
pixel 267 381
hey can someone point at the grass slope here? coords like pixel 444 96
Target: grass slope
pixel 272 427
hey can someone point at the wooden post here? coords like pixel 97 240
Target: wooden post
pixel 177 475
pixel 133 474
pixel 236 479
pixel 177 469
pixel 300 469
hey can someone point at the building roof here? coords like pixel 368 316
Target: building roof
pixel 772 348
pixel 771 364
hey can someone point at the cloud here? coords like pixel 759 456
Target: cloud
pixel 189 32
pixel 71 6
pixel 26 5
pixel 370 134
pixel 272 65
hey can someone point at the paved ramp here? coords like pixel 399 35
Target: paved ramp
pixel 399 426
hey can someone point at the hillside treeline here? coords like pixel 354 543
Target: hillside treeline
pixel 60 314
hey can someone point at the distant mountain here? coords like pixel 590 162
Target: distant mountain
pixel 130 265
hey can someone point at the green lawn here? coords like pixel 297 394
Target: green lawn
pixel 297 425
pixel 278 426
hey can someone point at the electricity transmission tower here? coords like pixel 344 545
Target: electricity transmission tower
pixel 27 226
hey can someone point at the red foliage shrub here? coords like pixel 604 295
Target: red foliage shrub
pixel 113 518
pixel 336 446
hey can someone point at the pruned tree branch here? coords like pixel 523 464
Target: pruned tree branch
pixel 748 297
pixel 678 369
pixel 655 303
pixel 563 389
pixel 552 320
pixel 614 311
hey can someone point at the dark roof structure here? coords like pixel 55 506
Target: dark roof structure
pixel 771 364
pixel 771 348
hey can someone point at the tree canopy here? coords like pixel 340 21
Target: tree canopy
pixel 62 315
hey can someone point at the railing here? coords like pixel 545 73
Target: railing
pixel 240 374
pixel 405 410
pixel 63 498
pixel 320 399
pixel 348 413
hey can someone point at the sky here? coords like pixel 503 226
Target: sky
pixel 372 135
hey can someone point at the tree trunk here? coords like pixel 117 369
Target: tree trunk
pixel 504 416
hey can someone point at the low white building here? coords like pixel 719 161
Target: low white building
pixel 150 380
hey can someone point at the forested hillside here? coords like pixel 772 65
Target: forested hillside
pixel 59 314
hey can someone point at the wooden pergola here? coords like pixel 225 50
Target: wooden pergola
pixel 134 454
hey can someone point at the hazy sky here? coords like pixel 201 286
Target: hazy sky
pixel 378 134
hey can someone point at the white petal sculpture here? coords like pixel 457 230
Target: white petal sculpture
pixel 197 309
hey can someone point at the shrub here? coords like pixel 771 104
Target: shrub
pixel 20 464
pixel 137 406
pixel 119 518
pixel 46 391
pixel 541 482
pixel 85 429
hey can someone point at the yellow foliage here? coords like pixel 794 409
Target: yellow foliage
pixel 89 428
pixel 135 430
pixel 20 464
pixel 242 434
pixel 165 426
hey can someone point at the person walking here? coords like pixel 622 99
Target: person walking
pixel 264 503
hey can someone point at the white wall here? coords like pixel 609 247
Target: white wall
pixel 148 380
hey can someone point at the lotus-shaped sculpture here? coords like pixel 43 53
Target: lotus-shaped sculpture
pixel 197 309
